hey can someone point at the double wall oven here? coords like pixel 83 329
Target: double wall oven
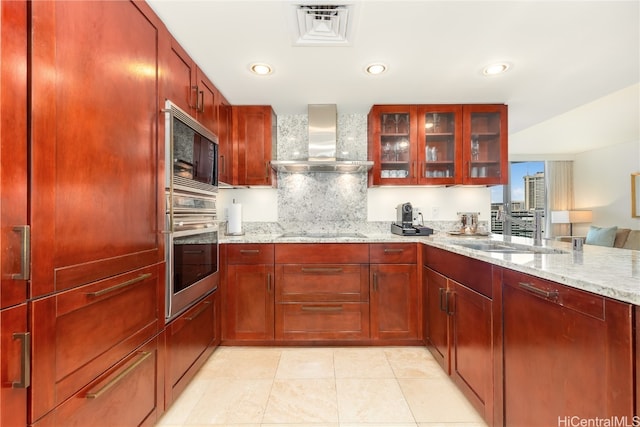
pixel 191 184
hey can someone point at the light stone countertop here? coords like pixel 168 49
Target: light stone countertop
pixel 609 272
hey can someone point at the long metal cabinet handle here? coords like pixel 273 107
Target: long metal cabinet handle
pixel 96 394
pixel 541 292
pixel 268 282
pixel 375 281
pixel 389 251
pixel 441 292
pixel 194 89
pixel 25 360
pixel 201 108
pixel 120 286
pixel 249 251
pixel 321 308
pixel 324 270
pixel 199 312
pixel 25 253
pixel 223 167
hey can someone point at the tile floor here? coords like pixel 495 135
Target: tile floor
pixel 321 387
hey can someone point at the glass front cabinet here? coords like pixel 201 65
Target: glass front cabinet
pixel 438 144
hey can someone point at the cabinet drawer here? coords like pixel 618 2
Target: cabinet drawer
pixel 189 336
pixel 250 254
pixel 322 321
pixel 393 253
pixel 80 333
pixel 574 299
pixel 126 395
pixel 472 273
pixel 322 253
pixel 322 282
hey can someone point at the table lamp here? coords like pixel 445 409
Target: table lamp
pixel 571 217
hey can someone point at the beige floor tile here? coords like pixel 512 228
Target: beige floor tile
pixel 231 401
pixel 241 362
pixel 413 362
pixel 359 362
pixel 438 401
pixel 182 407
pixel 378 425
pixel 371 400
pixel 302 401
pixel 306 363
pixel 450 425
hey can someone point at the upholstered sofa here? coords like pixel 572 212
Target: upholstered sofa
pixel 613 237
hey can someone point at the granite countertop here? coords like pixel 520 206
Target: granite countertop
pixel 609 272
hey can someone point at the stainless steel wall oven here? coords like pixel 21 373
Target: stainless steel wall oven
pixel 192 254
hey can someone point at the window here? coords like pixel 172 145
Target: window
pixel 524 193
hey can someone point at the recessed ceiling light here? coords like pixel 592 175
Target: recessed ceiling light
pixel 377 68
pixel 493 69
pixel 261 69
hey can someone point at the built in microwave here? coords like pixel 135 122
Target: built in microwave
pixel 191 152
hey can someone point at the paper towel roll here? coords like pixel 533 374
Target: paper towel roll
pixel 234 225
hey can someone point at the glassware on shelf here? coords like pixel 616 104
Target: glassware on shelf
pixel 475 148
pixel 402 123
pixel 389 123
pixel 401 150
pixel 387 154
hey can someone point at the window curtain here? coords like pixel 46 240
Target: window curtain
pixel 559 191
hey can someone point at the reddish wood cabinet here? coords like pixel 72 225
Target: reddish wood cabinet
pixel 394 291
pixel 249 291
pixel 15 362
pixel 254 134
pixel 567 353
pixel 225 145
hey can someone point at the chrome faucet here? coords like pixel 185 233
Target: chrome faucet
pixel 537 223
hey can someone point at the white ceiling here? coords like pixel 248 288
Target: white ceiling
pixel 564 54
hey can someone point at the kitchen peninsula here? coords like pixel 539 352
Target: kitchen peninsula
pixel 491 318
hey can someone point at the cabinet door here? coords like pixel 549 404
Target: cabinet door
pixel 179 82
pixel 254 131
pixel 567 353
pixel 206 102
pixel 392 144
pixel 439 147
pixel 95 203
pixel 14 249
pixel 225 147
pixel 471 346
pixel 394 301
pixel 484 144
pixel 250 302
pixel 14 366
pixel 435 310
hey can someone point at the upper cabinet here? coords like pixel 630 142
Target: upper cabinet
pixel 225 146
pixel 438 144
pixel 254 134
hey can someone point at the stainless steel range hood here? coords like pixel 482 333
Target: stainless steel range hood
pixel 322 146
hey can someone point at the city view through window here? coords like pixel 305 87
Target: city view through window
pixel 525 193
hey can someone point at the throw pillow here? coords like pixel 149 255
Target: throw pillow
pixel 601 236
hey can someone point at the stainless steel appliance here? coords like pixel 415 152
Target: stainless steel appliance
pixel 191 184
pixel 404 222
pixel 191 249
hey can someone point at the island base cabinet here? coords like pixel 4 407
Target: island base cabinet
pixel 129 394
pixel 567 354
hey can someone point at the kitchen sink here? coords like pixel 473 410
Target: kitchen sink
pixel 322 235
pixel 509 248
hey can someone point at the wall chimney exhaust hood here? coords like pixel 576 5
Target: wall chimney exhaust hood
pixel 322 147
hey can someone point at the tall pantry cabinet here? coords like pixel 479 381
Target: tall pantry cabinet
pixel 97 251
pixel 14 336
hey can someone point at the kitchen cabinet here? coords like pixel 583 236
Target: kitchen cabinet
pixel 438 144
pixel 249 291
pixel 322 294
pixel 567 353
pixel 191 339
pixel 254 135
pixel 460 327
pixel 81 333
pixel 225 145
pixel 189 88
pixel 15 356
pixel 394 292
pixel 96 197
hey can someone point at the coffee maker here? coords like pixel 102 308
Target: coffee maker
pixel 404 222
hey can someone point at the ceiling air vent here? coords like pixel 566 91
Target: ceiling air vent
pixel 323 25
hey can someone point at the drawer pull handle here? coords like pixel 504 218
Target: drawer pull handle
pixel 192 252
pixel 391 251
pixel 441 292
pixel 25 366
pixel 322 270
pixel 269 282
pixel 94 395
pixel 249 251
pixel 25 252
pixel 541 292
pixel 199 312
pixel 102 292
pixel 321 308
